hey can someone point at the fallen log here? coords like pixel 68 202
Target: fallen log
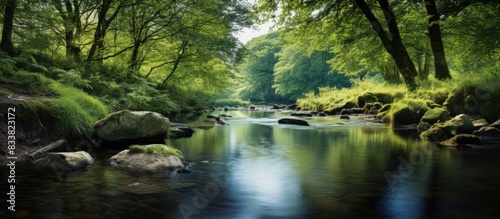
pixel 42 152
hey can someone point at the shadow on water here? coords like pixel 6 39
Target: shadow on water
pixel 255 168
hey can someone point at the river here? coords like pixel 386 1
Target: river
pixel 254 168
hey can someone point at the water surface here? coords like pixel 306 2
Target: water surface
pixel 255 168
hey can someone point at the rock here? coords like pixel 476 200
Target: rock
pixel 148 158
pixel 292 106
pixel 385 108
pixel 252 107
pixel 488 132
pixel 349 105
pixel 179 130
pixel 322 114
pixel 301 114
pixel 314 113
pixel 423 126
pixel 461 139
pixel 407 115
pixel 211 116
pixel 479 123
pixel 346 112
pixel 358 110
pixel 344 117
pixel 461 124
pixel 292 121
pixel 367 97
pixel 133 125
pixel 372 111
pixel 377 105
pixel 66 162
pixel 496 124
pixel 436 115
pixel 382 116
pixel 334 111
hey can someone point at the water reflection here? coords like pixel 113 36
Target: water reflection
pixel 332 169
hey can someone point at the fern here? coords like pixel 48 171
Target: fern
pixel 72 78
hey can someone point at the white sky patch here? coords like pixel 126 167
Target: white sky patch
pixel 246 34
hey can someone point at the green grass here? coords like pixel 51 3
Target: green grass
pixel 158 149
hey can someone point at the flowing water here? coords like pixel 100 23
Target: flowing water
pixel 254 168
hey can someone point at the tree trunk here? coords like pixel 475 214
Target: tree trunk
pixel 96 50
pixel 134 60
pixel 440 65
pixel 8 19
pixel 394 46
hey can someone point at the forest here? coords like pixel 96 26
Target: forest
pixel 80 60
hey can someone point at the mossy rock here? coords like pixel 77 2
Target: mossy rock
pixel 437 133
pixel 496 124
pixel 487 132
pixel 408 111
pixel 64 162
pixel 148 158
pixel 366 98
pixel 385 108
pixel 444 130
pixel 435 115
pixel 132 125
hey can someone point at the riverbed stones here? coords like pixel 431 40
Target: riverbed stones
pixel 147 161
pixel 67 161
pixel 436 115
pixel 461 139
pixel 496 124
pixel 133 125
pixel 487 132
pixel 180 130
pixel 293 121
pixel 461 124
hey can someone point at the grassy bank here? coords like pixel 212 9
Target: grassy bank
pixel 467 94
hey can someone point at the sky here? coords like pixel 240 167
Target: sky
pixel 247 34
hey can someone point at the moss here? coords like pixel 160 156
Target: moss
pixel 158 149
pixel 408 111
pixel 436 115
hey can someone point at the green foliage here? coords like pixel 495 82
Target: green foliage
pixel 230 102
pixel 72 78
pixel 258 68
pixel 157 149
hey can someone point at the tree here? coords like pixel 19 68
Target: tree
pixel 103 22
pixel 441 66
pixel 8 19
pixel 258 68
pixel 297 73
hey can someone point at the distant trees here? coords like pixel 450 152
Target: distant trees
pixel 408 31
pixel 279 71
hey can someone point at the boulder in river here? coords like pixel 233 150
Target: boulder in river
pixel 149 158
pixel 436 115
pixel 496 124
pixel 461 124
pixel 67 161
pixel 302 114
pixel 292 121
pixel 461 139
pixel 133 125
pixel 179 130
pixel 488 132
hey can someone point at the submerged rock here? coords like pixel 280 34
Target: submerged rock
pixel 148 158
pixel 461 139
pixel 133 125
pixel 292 121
